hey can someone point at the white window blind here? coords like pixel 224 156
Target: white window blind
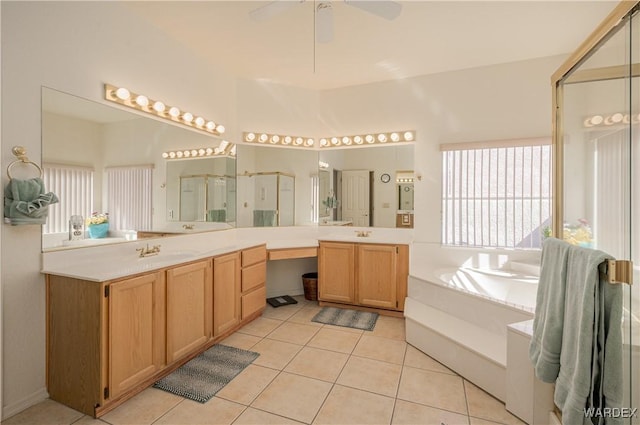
pixel 129 201
pixel 315 197
pixel 496 194
pixel 74 187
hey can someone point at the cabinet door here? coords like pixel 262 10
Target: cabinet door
pixel 189 308
pixel 336 272
pixel 226 292
pixel 136 331
pixel 377 275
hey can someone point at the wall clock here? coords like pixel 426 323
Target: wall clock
pixel 385 178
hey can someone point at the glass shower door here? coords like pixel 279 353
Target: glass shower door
pixel 598 124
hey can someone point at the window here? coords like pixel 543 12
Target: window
pixel 496 194
pixel 129 197
pixel 74 187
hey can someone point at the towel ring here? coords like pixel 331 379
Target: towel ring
pixel 20 153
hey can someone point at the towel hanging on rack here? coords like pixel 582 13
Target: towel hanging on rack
pixel 25 200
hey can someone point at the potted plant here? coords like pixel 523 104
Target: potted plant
pixel 98 225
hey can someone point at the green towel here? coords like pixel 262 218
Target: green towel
pixel 25 201
pixel 546 341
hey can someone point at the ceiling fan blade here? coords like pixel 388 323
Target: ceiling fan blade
pixel 272 9
pixel 386 9
pixel 324 22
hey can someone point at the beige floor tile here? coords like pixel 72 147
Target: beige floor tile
pixel 407 413
pixel 274 354
pixel 319 364
pixel 295 397
pixel 245 387
pixel 240 340
pixel 281 313
pixel 295 333
pixel 144 408
pixel 305 314
pixel 215 411
pixel 433 389
pixel 347 329
pixel 418 359
pixel 253 416
pixel 88 420
pixel 261 327
pixel 371 375
pixel 351 406
pixel 390 327
pixel 478 421
pixel 482 405
pixel 335 340
pixel 385 349
pixel 46 412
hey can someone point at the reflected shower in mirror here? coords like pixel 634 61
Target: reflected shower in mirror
pixel 103 159
pixel 362 187
pixel 275 186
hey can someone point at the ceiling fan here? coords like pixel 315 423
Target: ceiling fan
pixel 323 13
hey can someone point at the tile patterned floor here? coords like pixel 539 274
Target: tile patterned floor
pixel 311 373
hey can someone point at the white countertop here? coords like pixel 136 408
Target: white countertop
pixel 109 262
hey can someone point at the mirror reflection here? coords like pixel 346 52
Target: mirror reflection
pixel 363 186
pixel 105 164
pixel 275 186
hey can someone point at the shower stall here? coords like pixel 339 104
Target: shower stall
pixel 207 197
pixel 269 199
pixel 596 116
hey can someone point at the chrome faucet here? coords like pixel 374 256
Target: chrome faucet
pixel 362 233
pixel 147 252
pixel 188 226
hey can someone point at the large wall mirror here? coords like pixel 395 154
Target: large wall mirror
pixel 275 186
pixel 105 160
pixel 370 187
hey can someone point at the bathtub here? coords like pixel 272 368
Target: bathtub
pixel 459 316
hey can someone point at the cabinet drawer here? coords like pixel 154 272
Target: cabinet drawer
pixel 254 255
pixel 253 302
pixel 254 276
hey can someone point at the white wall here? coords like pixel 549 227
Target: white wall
pixel 77 46
pixel 495 102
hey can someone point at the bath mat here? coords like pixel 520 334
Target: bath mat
pixel 347 318
pixel 202 377
pixel 280 301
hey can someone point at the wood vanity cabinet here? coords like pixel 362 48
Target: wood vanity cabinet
pixel 367 275
pixel 189 308
pixel 226 292
pixel 107 341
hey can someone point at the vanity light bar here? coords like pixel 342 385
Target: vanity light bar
pixel 368 139
pixel 607 120
pixel 224 149
pixel 404 180
pixel 278 139
pixel 139 102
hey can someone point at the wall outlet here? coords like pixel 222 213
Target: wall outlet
pixel 170 213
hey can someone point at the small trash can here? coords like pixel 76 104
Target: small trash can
pixel 310 284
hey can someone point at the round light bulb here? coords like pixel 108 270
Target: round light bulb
pixel 174 112
pixel 187 117
pixel 263 138
pixel 211 125
pixel 287 140
pixel 194 152
pixel 220 128
pixel 395 137
pixel 172 154
pixel 346 140
pixel 382 138
pixel 199 121
pixel 179 154
pixel 250 137
pixel 323 142
pixel 310 142
pixel 335 141
pixel 408 136
pixel 186 154
pixel 369 138
pixel 597 119
pixel 201 152
pixel 158 107
pixel 298 141
pixel 165 155
pixel 358 140
pixel 617 117
pixel 209 151
pixel 122 93
pixel 142 101
pixel 275 138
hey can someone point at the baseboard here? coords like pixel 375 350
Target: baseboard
pixel 293 291
pixel 15 408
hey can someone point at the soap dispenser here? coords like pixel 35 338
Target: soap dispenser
pixel 76 228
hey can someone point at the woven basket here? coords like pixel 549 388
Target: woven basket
pixel 310 285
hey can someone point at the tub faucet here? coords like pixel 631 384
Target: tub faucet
pixel 147 252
